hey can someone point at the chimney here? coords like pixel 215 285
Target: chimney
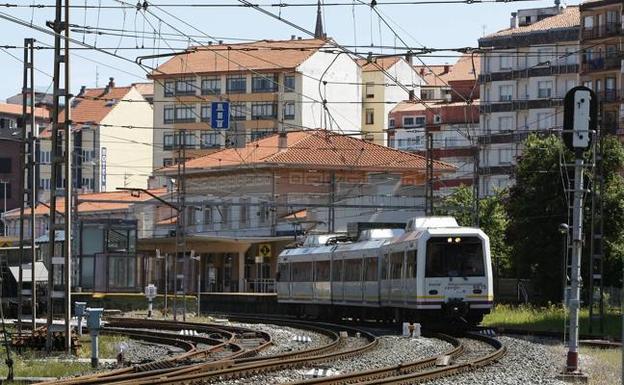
pixel 513 23
pixel 422 71
pixel 220 41
pixel 447 68
pixel 298 37
pixel 412 95
pixel 82 90
pixel 282 141
pixel 292 37
pixel 209 43
pixel 111 84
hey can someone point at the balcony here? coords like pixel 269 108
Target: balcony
pixel 528 72
pixel 519 105
pixel 605 30
pixel 608 96
pixel 602 63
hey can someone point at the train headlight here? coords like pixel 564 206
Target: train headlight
pixel 457 240
pixel 450 240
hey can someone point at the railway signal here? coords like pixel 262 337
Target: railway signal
pixel 580 122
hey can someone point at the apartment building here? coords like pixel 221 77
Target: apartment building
pixel 451 83
pixel 271 86
pixel 601 67
pixel 526 71
pixel 454 127
pixel 112 140
pixel 278 187
pixel 381 93
pixel 10 142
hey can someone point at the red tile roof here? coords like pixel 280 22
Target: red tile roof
pixel 569 17
pixel 262 55
pixel 92 106
pixel 385 63
pixel 16 109
pixel 417 106
pixel 145 89
pixel 123 201
pixel 316 149
pixel 462 70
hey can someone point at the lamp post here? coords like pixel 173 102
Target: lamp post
pixel 159 256
pixel 198 259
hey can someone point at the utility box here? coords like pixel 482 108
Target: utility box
pixel 94 318
pixel 79 309
pixel 150 291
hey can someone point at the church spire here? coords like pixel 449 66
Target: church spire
pixel 318 31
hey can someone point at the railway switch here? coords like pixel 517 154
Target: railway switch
pixel 94 323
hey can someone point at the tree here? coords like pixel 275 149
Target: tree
pixel 538 204
pixel 492 217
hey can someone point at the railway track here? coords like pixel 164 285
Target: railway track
pixel 231 351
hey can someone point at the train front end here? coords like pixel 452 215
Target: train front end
pixel 457 273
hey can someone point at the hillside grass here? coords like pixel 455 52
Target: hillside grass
pixel 551 318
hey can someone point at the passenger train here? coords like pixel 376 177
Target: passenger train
pixel 431 271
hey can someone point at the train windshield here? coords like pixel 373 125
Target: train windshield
pixel 455 257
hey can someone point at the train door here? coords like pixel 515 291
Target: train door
pixel 283 280
pixel 337 289
pixel 385 288
pixel 370 283
pixel 411 282
pixel 397 292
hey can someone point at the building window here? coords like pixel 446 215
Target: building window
pixel 5 165
pixel 168 141
pixel 544 89
pixel 588 22
pixel 289 110
pixel 169 114
pixel 236 84
pixel 263 110
pixel 264 83
pixel 224 210
pixel 370 90
pixel 263 213
pixel 44 184
pixel 87 155
pixel 191 139
pixel 209 139
pixel 185 86
pixel 414 121
pixel 289 83
pixel 370 116
pixel 544 56
pixel 259 134
pixel 44 157
pixel 544 120
pixel 169 87
pixel 505 93
pixel 237 110
pixel 505 123
pixel 391 123
pixel 211 86
pixel 505 62
pixel 588 84
pixel 185 114
pixel 167 162
pixel 504 156
pixel 244 213
pixel 205 112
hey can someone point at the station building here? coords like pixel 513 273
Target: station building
pixel 244 205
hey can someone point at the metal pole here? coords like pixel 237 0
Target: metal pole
pixel 166 278
pixel 577 246
pixel 34 180
pixel 68 190
pixel 198 285
pixel 4 182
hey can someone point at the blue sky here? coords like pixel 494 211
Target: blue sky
pixel 437 25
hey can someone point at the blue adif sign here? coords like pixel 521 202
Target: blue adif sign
pixel 220 115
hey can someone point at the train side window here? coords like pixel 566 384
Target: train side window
pixel 337 272
pixel 282 273
pixel 352 270
pixel 321 271
pixel 370 269
pixel 301 271
pixel 396 265
pixel 412 260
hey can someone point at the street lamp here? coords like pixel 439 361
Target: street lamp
pixel 159 256
pixel 198 259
